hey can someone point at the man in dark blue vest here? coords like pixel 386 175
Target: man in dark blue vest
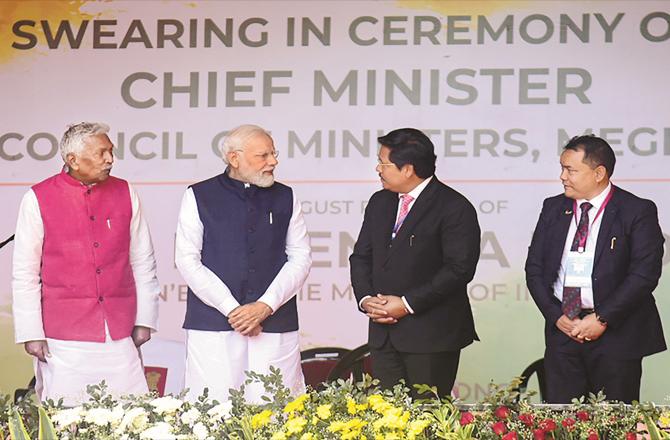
pixel 243 249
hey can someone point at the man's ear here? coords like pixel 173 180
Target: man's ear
pixel 71 161
pixel 601 173
pixel 408 170
pixel 233 159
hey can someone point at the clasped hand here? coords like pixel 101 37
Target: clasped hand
pixel 384 309
pixel 247 319
pixel 582 330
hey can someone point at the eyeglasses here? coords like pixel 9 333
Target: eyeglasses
pixel 265 156
pixel 383 164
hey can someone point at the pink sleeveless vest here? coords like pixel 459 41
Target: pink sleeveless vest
pixel 86 274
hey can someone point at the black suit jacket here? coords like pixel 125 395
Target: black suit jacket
pixel 430 262
pixel 626 269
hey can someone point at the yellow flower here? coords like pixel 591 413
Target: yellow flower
pixel 278 436
pixel 392 418
pixel 323 411
pixel 307 436
pixel 295 425
pixel 378 403
pixel 664 420
pixel 297 405
pixel 261 419
pixel 351 406
pixel 416 427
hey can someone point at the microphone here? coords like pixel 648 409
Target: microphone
pixel 6 241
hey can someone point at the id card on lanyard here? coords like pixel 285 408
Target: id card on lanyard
pixel 579 264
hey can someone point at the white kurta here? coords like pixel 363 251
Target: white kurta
pixel 218 360
pixel 75 364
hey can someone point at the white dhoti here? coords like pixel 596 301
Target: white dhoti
pixel 218 360
pixel 75 364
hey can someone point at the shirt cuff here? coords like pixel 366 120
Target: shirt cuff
pixel 360 303
pixel 409 309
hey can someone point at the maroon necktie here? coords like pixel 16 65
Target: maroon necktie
pixel 572 296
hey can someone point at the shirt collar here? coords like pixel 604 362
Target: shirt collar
pixel 598 200
pixel 418 189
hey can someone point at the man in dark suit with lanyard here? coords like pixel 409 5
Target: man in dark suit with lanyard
pixel 416 252
pixel 594 261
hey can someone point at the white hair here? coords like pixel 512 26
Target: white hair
pixel 75 136
pixel 238 137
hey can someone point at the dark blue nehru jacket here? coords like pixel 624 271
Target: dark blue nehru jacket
pixel 244 244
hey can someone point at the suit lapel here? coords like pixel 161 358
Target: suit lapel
pixel 421 205
pixel 609 217
pixel 565 216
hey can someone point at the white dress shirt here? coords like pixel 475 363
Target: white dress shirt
pixel 415 193
pixel 210 289
pixel 594 228
pixel 27 260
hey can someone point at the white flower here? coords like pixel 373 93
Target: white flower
pixel 200 431
pixel 167 404
pixel 220 411
pixel 190 416
pixel 160 431
pixel 117 414
pixel 136 419
pixel 99 416
pixel 67 417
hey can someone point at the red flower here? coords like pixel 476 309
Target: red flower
pixel 538 434
pixel 502 412
pixel 499 428
pixel 569 423
pixel 510 436
pixel 548 425
pixel 593 436
pixel 467 418
pixel 527 419
pixel 631 436
pixel 583 416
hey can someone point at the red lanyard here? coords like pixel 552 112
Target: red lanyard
pixel 600 211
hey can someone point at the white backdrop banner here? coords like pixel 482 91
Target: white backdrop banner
pixel 499 86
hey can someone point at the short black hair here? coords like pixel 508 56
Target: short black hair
pixel 410 146
pixel 596 151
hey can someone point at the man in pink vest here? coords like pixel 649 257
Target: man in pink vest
pixel 85 292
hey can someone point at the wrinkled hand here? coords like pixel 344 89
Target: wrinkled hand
pixel 567 325
pixel 589 328
pixel 141 335
pixel 39 349
pixel 247 318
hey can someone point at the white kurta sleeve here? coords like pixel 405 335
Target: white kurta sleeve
pixel 208 287
pixel 26 280
pixel 294 272
pixel 143 264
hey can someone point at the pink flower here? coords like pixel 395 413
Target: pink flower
pixel 527 419
pixel 499 428
pixel 548 425
pixel 583 416
pixel 502 412
pixel 467 418
pixel 593 436
pixel 538 434
pixel 631 436
pixel 510 436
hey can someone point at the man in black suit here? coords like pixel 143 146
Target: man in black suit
pixel 417 250
pixel 592 266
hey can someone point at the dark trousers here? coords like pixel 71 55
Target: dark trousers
pixel 575 374
pixel 435 369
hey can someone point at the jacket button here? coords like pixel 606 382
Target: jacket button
pixel 100 299
pixel 96 244
pixel 98 271
pixel 92 218
pixel 252 270
pixel 88 191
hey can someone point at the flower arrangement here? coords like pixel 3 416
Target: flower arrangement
pixel 343 410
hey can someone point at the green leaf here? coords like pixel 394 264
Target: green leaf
pixel 46 429
pixel 17 430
